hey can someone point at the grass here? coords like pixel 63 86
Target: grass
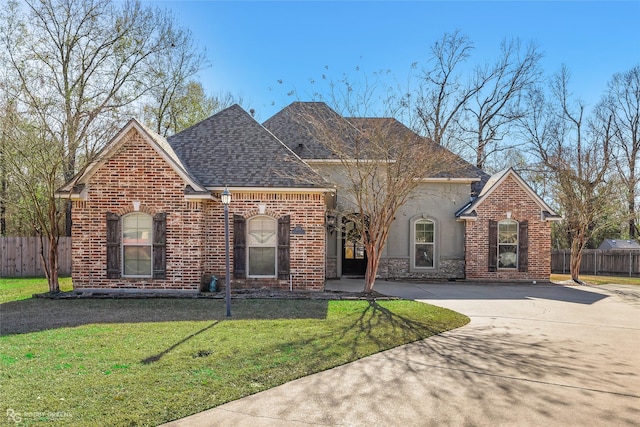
pixel 20 288
pixel 598 280
pixel 145 362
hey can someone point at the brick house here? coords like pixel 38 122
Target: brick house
pixel 147 213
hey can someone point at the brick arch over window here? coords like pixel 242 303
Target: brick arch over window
pixel 240 250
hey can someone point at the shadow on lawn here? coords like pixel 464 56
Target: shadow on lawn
pixel 33 315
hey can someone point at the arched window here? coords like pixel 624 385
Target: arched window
pixel 137 245
pixel 423 243
pixel 508 244
pixel 262 242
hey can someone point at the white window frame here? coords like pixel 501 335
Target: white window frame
pixel 124 244
pixel 412 239
pixel 258 245
pixel 516 244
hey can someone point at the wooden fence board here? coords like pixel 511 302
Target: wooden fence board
pixel 599 262
pixel 20 256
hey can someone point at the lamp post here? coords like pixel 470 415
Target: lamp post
pixel 225 198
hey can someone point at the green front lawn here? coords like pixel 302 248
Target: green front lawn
pixel 145 362
pixel 20 288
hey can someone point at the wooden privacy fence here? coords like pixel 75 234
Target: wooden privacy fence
pixel 20 256
pixel 610 262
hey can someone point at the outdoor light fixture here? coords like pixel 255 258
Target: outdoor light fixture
pixel 225 198
pixel 331 223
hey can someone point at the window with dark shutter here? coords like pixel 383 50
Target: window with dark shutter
pixel 113 245
pixel 493 245
pixel 239 247
pixel 284 226
pixel 160 246
pixel 523 246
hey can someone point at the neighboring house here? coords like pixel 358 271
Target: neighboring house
pixel 147 212
pixel 611 244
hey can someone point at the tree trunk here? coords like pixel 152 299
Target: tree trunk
pixel 373 261
pixel 576 259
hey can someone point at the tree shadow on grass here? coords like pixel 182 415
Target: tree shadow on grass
pixel 156 357
pixel 37 314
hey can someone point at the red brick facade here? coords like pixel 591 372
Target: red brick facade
pixel 509 196
pixel 195 247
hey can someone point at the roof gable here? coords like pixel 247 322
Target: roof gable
pixel 469 211
pixel 231 149
pixel 76 186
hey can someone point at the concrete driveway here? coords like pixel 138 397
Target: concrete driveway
pixel 533 355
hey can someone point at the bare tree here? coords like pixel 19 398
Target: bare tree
pixel 622 104
pixel 575 153
pixel 497 103
pixel 75 67
pixel 377 164
pixel 442 91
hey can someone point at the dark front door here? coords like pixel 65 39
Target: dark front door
pixel 354 257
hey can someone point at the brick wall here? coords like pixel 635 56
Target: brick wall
pixel 508 197
pixel 195 229
pixel 307 251
pixel 136 172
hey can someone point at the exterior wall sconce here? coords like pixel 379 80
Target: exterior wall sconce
pixel 331 223
pixel 136 205
pixel 298 230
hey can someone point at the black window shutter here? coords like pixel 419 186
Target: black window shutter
pixel 493 245
pixel 113 246
pixel 523 246
pixel 284 226
pixel 160 246
pixel 239 247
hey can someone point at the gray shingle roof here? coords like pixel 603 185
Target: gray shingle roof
pixel 231 148
pixel 292 126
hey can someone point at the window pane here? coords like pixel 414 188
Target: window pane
pixel 136 229
pixel 424 231
pixel 508 232
pixel 262 231
pixel 137 260
pixel 262 261
pixel 507 256
pixel 424 255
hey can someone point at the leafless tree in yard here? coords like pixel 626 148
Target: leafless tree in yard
pixel 622 104
pixel 475 105
pixel 576 155
pixel 376 165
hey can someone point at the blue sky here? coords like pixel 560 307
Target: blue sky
pixel 253 45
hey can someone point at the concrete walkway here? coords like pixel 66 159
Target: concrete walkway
pixel 533 355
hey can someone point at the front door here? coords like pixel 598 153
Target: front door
pixel 354 257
